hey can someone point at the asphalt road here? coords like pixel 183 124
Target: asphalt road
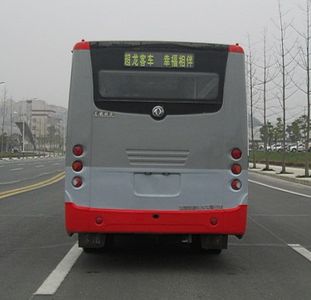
pixel 21 172
pixel 260 266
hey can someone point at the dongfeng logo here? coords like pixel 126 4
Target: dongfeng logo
pixel 158 112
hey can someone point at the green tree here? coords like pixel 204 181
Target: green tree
pixel 270 133
pixel 278 130
pixel 295 135
pixel 303 125
pixel 4 141
pixel 51 132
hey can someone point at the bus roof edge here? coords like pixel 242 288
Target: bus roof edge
pixel 235 48
pixel 83 45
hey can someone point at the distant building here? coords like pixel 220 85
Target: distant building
pixel 47 123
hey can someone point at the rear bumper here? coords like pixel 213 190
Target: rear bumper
pixel 83 219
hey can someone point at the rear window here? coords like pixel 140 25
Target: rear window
pixel 158 85
pixel 134 78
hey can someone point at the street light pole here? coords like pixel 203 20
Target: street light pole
pixel 23 149
pixel 11 124
pixel 3 117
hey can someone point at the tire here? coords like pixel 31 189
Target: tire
pixel 89 247
pixel 90 250
pixel 109 242
pixel 196 243
pixel 107 247
pixel 214 251
pixel 197 247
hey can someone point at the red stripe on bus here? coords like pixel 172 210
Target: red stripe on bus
pixel 235 49
pixel 83 45
pixel 83 219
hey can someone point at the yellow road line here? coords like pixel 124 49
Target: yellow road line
pixel 35 184
pixel 32 187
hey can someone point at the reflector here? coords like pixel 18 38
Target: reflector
pixel 77 181
pixel 236 184
pixel 213 220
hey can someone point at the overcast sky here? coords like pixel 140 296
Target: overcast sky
pixel 37 36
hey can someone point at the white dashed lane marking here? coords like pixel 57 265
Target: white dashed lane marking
pixel 55 279
pixel 279 189
pixel 301 250
pixel 17 169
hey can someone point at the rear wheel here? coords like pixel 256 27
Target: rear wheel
pixel 214 251
pixel 196 242
pixel 214 243
pixel 210 244
pixel 90 250
pixel 95 242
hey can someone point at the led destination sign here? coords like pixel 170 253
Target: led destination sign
pixel 159 60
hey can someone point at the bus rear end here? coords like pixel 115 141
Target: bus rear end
pixel 156 142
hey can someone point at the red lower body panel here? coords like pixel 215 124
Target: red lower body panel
pixel 86 219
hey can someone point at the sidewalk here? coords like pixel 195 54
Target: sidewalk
pixel 293 176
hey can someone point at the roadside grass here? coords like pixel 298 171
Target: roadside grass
pixel 18 154
pixel 291 158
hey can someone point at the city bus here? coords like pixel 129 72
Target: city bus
pixel 156 142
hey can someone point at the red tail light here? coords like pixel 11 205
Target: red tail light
pixel 213 220
pixel 236 153
pixel 236 184
pixel 77 150
pixel 236 169
pixel 77 181
pixel 77 165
